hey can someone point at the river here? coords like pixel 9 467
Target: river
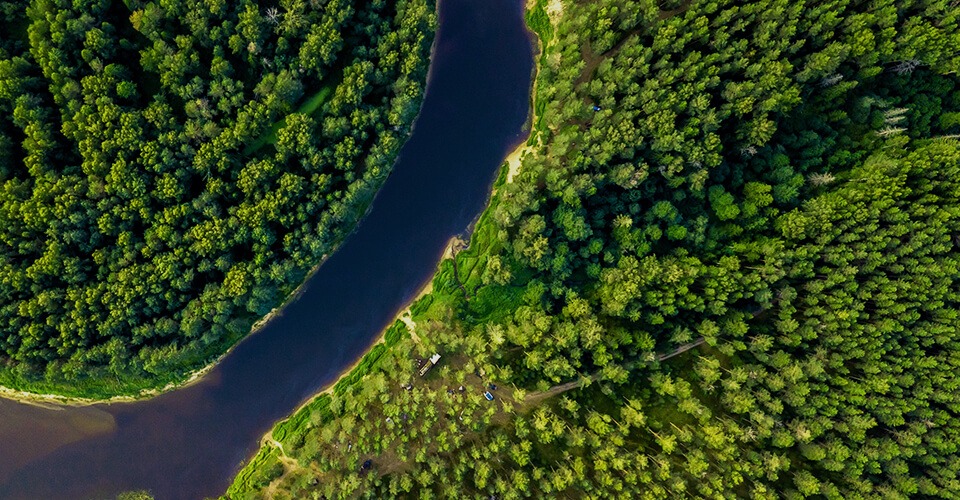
pixel 191 442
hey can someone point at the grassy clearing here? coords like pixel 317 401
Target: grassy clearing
pixel 290 430
pixel 539 21
pixel 394 334
pixel 308 107
pixel 264 467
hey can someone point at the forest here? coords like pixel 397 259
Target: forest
pixel 727 267
pixel 172 170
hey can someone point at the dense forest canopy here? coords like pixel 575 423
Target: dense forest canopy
pixel 170 170
pixel 728 267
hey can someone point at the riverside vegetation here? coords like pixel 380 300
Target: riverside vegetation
pixel 170 171
pixel 728 267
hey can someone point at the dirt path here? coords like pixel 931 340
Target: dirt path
pixel 290 465
pixel 459 245
pixel 536 397
pixel 411 326
pixel 682 349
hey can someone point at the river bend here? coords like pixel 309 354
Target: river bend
pixel 190 443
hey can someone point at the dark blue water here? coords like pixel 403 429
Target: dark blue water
pixel 191 442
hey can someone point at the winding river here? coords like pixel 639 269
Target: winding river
pixel 189 443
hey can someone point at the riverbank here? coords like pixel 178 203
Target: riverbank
pixel 441 181
pixel 52 400
pixel 403 315
pixel 42 392
pixel 450 288
pixel 271 452
pixel 542 19
pixel 262 469
pixel 399 338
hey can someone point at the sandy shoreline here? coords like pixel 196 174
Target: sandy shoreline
pixel 515 158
